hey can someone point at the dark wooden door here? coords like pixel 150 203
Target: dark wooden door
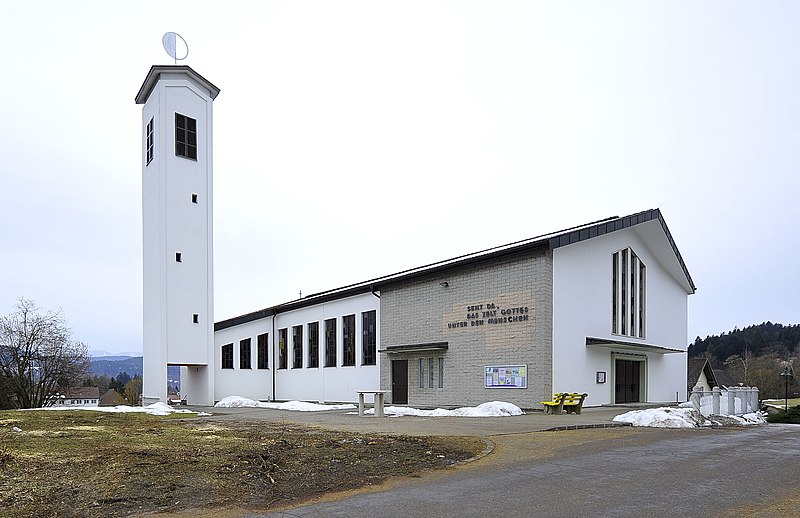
pixel 626 381
pixel 400 382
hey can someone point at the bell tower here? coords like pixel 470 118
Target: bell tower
pixel 178 295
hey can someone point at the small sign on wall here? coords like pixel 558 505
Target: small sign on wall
pixel 601 376
pixel 506 376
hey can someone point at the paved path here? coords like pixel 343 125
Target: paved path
pixel 603 473
pixel 479 426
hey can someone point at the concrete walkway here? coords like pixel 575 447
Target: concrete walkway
pixel 533 421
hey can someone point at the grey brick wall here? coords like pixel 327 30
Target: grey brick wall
pixel 423 311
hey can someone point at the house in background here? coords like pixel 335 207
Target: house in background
pixel 77 397
pixel 726 379
pixel 699 372
pixel 111 398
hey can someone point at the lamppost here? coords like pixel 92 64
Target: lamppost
pixel 787 374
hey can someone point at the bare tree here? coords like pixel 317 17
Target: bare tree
pixel 38 356
pixel 133 391
pixel 741 363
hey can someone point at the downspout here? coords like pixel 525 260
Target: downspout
pixel 274 358
pixel 377 344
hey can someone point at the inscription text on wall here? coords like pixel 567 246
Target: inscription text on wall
pixel 490 314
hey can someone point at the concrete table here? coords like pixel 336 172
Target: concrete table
pixel 378 398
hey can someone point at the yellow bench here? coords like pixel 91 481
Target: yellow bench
pixel 572 402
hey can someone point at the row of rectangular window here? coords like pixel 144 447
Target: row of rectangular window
pixel 245 356
pixel 429 378
pixel 369 344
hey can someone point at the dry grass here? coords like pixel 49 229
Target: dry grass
pixel 82 463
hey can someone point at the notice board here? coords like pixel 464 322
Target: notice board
pixel 506 376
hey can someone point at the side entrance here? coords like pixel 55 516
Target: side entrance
pixel 400 382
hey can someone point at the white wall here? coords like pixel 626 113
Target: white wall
pixel 251 383
pixel 174 291
pixel 582 306
pixel 325 384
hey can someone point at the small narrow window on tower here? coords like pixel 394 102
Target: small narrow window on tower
pixel 185 136
pixel 194 198
pixel 178 257
pixel 149 141
pixel 195 318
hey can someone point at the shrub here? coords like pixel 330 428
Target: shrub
pixel 791 416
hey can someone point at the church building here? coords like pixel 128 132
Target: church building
pixel 600 308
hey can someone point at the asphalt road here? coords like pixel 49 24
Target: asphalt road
pixel 592 473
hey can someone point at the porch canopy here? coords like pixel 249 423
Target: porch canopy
pixel 604 343
pixel 415 348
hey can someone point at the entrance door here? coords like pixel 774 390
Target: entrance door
pixel 627 381
pixel 400 382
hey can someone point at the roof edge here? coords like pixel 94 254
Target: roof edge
pixel 607 226
pixel 155 74
pixel 552 240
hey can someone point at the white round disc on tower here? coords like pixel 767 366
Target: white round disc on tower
pixel 171 45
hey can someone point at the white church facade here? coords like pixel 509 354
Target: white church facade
pixel 600 308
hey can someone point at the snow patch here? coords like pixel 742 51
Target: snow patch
pixel 684 418
pixel 296 406
pixel 154 409
pixel 490 409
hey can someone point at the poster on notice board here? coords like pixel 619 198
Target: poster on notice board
pixel 506 376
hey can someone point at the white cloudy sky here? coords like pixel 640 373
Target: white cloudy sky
pixel 356 139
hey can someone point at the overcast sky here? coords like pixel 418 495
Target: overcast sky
pixel 358 139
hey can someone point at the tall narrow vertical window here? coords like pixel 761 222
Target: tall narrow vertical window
pixel 244 354
pixel 628 297
pixel 349 340
pixel 634 292
pixel 185 136
pixel 441 372
pixel 282 334
pixel 149 142
pixel 624 279
pixel 368 338
pixel 614 295
pixel 297 347
pixel 430 372
pixel 227 356
pixel 642 278
pixel 313 344
pixel 330 342
pixel 422 373
pixel 263 351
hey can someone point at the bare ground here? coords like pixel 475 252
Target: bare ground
pixel 82 463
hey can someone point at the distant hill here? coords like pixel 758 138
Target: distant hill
pixel 106 366
pixel 111 367
pixel 760 339
pixel 105 355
